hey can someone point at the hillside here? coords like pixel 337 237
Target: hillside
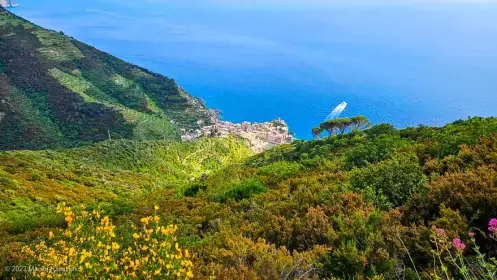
pixel 111 173
pixel 362 203
pixel 380 203
pixel 56 91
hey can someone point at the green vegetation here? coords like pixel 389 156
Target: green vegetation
pixel 368 204
pixel 111 174
pixel 90 241
pixel 363 203
pixel 58 92
pixel 243 190
pixel 390 183
pixel 340 126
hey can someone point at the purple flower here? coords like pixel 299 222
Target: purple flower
pixel 441 231
pixel 459 244
pixel 471 234
pixel 492 225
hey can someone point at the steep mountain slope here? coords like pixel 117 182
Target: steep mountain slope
pixel 56 91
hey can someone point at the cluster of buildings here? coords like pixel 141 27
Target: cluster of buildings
pixel 7 3
pixel 259 136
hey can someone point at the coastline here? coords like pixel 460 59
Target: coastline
pixel 259 137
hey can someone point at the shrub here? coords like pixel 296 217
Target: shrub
pixel 278 171
pixel 381 129
pixel 360 247
pixel 193 190
pixel 90 249
pixel 451 260
pixel 397 178
pixel 244 258
pixel 243 190
pixel 372 151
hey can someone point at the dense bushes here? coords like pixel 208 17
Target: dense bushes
pixel 111 174
pixel 278 171
pixel 89 248
pixel 243 190
pixel 356 206
pixel 391 182
pixel 372 152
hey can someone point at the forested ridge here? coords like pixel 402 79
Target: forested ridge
pixel 56 91
pixel 378 203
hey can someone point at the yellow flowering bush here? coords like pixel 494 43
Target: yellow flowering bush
pixel 90 249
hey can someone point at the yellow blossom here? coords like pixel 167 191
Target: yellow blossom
pixel 78 228
pixel 145 220
pixel 86 245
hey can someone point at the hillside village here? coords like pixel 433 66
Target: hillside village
pixel 7 3
pixel 259 136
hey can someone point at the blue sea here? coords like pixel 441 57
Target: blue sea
pixel 408 63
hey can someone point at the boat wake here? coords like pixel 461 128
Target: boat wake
pixel 337 111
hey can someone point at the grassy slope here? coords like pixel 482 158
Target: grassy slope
pixel 56 91
pixel 109 173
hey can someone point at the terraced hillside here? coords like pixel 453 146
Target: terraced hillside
pixel 56 91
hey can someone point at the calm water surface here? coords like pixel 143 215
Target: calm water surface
pixel 406 63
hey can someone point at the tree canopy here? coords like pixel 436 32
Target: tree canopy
pixel 341 125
